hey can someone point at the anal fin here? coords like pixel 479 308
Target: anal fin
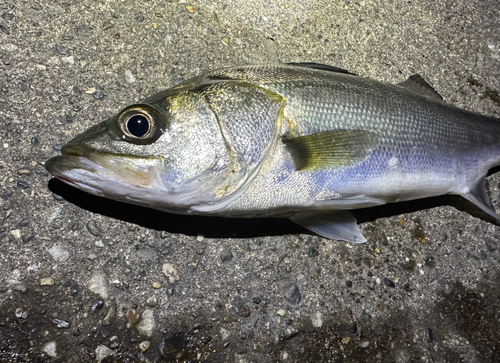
pixel 479 196
pixel 339 225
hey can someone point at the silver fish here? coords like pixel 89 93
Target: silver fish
pixel 305 141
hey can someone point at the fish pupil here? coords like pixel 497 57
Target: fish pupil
pixel 138 125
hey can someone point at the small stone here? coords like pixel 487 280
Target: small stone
pixel 27 237
pixel 60 324
pixel 147 324
pixel 143 346
pixel 364 344
pixel 16 233
pixel 21 313
pixel 102 352
pixel 98 95
pixel 348 283
pixel 96 306
pixel 61 50
pixel 226 255
pixel 281 312
pixel 152 301
pixel 200 238
pixel 156 285
pixel 317 320
pixel 170 272
pixel 58 253
pixel 389 283
pixel 292 293
pixel 190 9
pixel 132 316
pixel 46 281
pixel 98 285
pixel 8 16
pixel 164 234
pixel 93 228
pixel 225 40
pixel 129 77
pixel 24 171
pixel 50 349
pixel 257 300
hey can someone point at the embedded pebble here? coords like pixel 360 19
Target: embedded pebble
pixel 200 238
pixel 152 301
pixel 22 184
pixel 226 255
pixel 317 320
pixel 61 50
pixel 24 171
pixel 139 16
pixel 364 344
pixel 93 228
pixel 107 25
pixel 491 245
pixel 46 281
pixel 129 77
pixel 156 285
pixel 68 60
pixel 4 29
pixel 96 306
pixel 58 253
pixel 292 292
pixel 281 312
pixel 16 233
pixel 147 324
pixel 110 316
pixel 240 307
pixel 98 284
pixel 132 316
pixel 61 324
pixel 389 282
pixel 170 272
pixel 27 237
pixel 102 352
pixel 50 349
pixel 143 346
pixel 21 313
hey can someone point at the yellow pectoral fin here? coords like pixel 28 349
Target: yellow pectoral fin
pixel 331 149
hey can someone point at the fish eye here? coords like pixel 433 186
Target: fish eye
pixel 138 125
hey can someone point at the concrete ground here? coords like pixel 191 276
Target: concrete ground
pixel 84 279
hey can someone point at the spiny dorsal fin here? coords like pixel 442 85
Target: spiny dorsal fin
pixel 417 84
pixel 323 67
pixel 331 149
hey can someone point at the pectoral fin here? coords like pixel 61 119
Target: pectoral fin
pixel 331 149
pixel 340 225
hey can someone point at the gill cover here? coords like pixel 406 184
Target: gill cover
pixel 219 136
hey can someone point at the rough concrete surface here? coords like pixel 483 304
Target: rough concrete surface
pixel 85 279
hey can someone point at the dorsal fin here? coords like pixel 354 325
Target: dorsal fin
pixel 323 67
pixel 417 84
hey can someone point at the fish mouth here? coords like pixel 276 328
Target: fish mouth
pixel 103 174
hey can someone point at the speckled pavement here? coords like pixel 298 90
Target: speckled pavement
pixel 83 279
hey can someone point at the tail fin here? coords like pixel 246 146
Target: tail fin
pixel 478 195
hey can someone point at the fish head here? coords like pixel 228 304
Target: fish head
pixel 168 154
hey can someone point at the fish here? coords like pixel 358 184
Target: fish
pixel 302 141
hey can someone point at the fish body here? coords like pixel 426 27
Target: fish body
pixel 289 141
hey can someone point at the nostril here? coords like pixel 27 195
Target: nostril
pixel 74 150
